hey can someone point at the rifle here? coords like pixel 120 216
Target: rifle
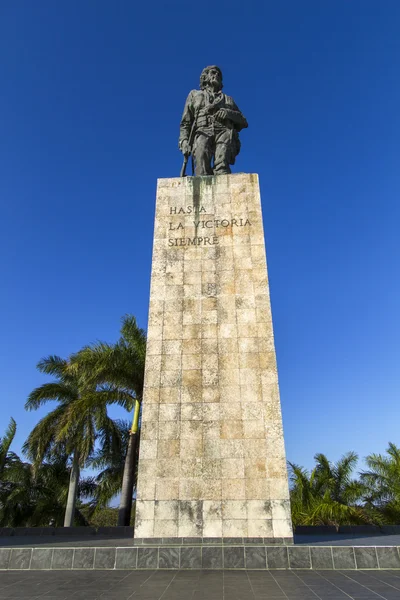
pixel 190 143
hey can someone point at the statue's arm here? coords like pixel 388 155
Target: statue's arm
pixel 186 121
pixel 236 116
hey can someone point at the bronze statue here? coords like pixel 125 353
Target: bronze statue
pixel 210 127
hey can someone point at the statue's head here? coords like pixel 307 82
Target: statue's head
pixel 211 77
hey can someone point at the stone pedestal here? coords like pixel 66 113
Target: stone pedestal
pixel 212 458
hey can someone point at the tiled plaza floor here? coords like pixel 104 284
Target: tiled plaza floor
pixel 200 585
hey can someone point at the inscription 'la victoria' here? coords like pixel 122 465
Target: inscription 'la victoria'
pixel 214 223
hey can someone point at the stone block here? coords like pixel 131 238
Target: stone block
pixel 169 558
pixel 366 557
pixel 212 529
pixel 126 558
pixel 299 557
pixel 277 557
pixel 343 557
pixel 62 558
pixel 234 557
pixel 234 528
pixel 167 488
pixel 20 558
pixel 144 528
pixel 261 527
pixel 321 557
pixel 212 557
pixel 388 557
pixel 147 558
pixel 83 558
pixel 255 557
pixel 41 558
pixel 190 529
pixel 104 558
pixel 4 558
pixel 282 527
pixel 146 508
pixel 165 528
pixel 172 541
pixel 191 557
pixel 234 509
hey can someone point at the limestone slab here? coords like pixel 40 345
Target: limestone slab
pixel 212 458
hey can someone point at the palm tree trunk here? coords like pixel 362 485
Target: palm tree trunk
pixel 125 505
pixel 72 492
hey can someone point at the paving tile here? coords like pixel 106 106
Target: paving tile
pixel 200 585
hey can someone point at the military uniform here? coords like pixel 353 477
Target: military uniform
pixel 213 138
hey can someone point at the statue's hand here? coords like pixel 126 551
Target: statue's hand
pixel 221 114
pixel 184 147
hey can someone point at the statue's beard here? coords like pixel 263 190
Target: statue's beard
pixel 214 84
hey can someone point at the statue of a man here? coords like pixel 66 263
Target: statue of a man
pixel 210 126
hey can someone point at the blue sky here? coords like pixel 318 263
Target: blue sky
pixel 91 97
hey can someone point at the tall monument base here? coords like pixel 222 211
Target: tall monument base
pixel 212 459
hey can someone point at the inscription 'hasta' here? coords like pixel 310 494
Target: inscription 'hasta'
pixel 185 210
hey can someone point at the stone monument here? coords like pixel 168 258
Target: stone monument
pixel 212 459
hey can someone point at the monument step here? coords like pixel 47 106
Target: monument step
pixel 198 541
pixel 204 557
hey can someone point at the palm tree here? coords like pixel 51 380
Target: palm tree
pixel 72 428
pixel 382 481
pixel 120 368
pixel 328 495
pixel 36 496
pixel 5 443
pixel 111 465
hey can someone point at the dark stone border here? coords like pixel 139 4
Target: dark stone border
pixel 354 530
pixel 67 531
pixel 206 557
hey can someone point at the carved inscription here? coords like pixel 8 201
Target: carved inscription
pixel 199 223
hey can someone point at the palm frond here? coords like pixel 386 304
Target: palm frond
pixel 53 365
pixel 50 391
pixel 6 441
